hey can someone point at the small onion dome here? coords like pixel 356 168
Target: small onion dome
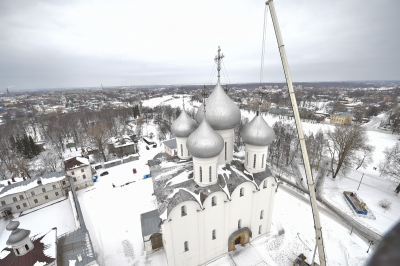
pixel 204 142
pixel 12 225
pixel 17 234
pixel 257 132
pixel 183 126
pixel 222 112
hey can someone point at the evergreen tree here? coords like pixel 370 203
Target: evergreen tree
pixel 33 147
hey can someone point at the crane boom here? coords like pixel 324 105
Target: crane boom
pixel 311 186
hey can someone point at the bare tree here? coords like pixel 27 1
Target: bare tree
pixel 50 163
pixel 392 164
pixel 98 136
pixel 364 156
pixel 344 142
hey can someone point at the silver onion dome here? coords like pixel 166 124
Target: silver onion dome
pixel 204 142
pixel 257 132
pixel 17 234
pixel 183 126
pixel 222 112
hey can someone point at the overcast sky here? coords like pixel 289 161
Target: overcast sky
pixel 57 44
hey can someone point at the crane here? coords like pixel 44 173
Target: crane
pixel 311 186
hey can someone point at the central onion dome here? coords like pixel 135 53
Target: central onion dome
pixel 257 132
pixel 17 234
pixel 204 142
pixel 222 112
pixel 183 126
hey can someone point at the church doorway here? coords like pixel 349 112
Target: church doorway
pixel 237 241
pixel 156 241
pixel 241 236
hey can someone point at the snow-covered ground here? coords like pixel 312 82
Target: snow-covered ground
pixel 45 218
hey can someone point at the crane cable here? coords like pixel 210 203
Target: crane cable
pixel 263 44
pixel 212 74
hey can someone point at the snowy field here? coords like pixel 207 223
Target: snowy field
pixel 44 219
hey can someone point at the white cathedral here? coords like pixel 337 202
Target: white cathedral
pixel 211 200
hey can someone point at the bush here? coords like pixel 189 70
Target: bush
pixel 281 231
pixel 384 203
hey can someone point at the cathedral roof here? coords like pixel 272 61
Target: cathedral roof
pixel 222 112
pixel 183 126
pixel 257 132
pixel 204 142
pixel 17 234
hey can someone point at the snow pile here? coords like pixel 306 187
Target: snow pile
pixel 49 241
pixel 4 254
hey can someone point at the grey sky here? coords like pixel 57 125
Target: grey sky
pixel 51 44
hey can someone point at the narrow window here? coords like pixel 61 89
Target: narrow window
pixel 239 224
pixel 225 151
pixel 54 187
pixel 265 184
pixel 262 161
pixel 74 179
pixel 186 245
pixel 24 204
pixel 46 197
pixel 36 201
pixel 242 192
pixel 181 150
pixel 201 174
pixel 26 247
pixel 84 176
pixel 209 172
pixel 262 215
pixel 259 229
pixel 56 193
pixel 82 170
pixel 255 159
pixel 72 173
pixel 21 197
pixel 43 189
pixel 214 201
pixel 33 193
pixel 15 199
pixel 3 202
pixel 183 211
pixel 214 235
pixel 188 153
pixel 64 183
pixel 17 251
pixel 18 207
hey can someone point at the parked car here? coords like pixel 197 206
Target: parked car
pixel 134 170
pixel 98 167
pixel 155 145
pixel 104 173
pixel 147 147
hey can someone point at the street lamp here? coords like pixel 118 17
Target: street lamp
pixel 370 243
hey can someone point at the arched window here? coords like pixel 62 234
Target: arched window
pixel 239 224
pixel 214 201
pixel 225 151
pixel 26 247
pixel 241 192
pixel 181 150
pixel 209 173
pixel 186 246
pixel 265 184
pixel 254 162
pixel 262 215
pixel 183 211
pixel 214 234
pixel 17 251
pixel 15 199
pixel 262 161
pixel 259 229
pixel 201 174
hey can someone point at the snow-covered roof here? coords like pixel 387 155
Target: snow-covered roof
pixel 75 162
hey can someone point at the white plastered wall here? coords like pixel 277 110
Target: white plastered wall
pixel 181 148
pixel 227 135
pixel 205 164
pixel 258 151
pixel 21 246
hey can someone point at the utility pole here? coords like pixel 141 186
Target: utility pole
pixel 310 181
pixel 360 181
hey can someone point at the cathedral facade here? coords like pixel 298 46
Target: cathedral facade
pixel 211 200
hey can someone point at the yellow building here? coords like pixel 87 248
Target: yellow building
pixel 341 118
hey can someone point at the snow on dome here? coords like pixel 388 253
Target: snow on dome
pixel 12 225
pixel 183 126
pixel 222 112
pixel 257 132
pixel 204 142
pixel 17 236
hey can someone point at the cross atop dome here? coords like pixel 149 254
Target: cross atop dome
pixel 204 94
pixel 218 59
